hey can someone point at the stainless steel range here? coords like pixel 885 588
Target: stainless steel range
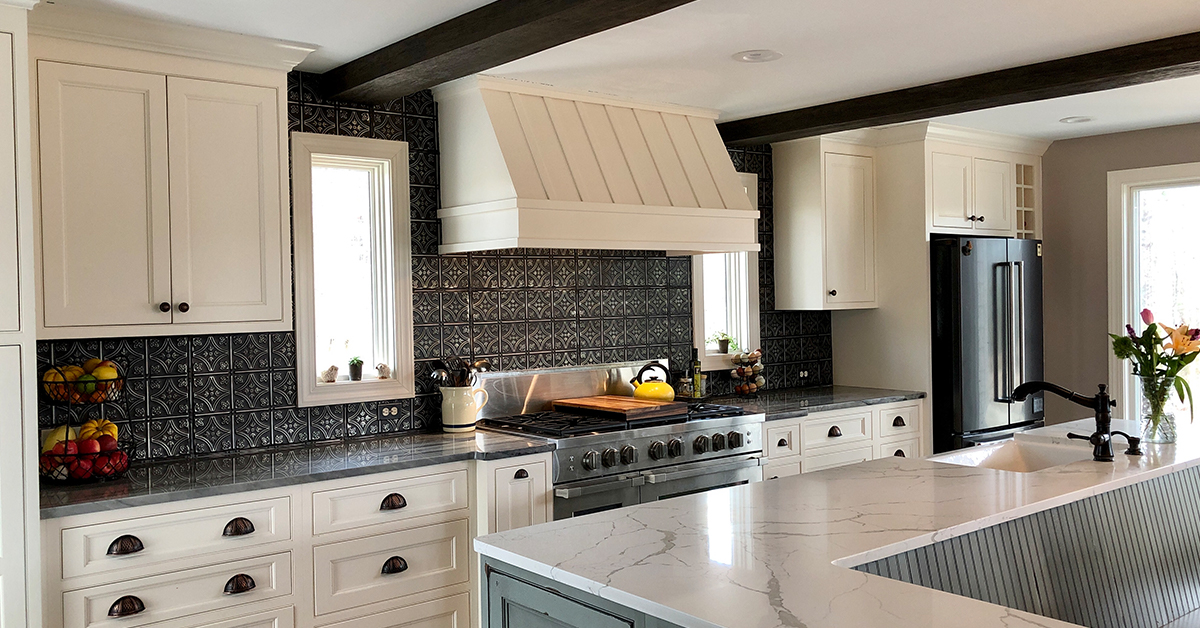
pixel 604 463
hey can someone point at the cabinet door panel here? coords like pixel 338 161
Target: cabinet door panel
pixel 520 497
pixel 849 229
pixel 12 529
pixel 993 195
pixel 9 272
pixel 513 602
pixel 225 201
pixel 951 191
pixel 104 204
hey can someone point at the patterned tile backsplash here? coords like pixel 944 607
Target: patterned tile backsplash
pixel 196 395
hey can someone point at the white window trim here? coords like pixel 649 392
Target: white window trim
pixel 402 384
pixel 1122 263
pixel 713 361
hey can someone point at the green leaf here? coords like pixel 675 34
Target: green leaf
pixel 1179 381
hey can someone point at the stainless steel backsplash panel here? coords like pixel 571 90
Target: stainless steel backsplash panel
pixel 518 392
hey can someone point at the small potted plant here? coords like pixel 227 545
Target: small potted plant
pixel 724 342
pixel 356 369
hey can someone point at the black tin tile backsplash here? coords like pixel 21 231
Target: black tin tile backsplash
pixel 520 308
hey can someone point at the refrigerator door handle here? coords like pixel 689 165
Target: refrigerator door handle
pixel 1018 302
pixel 1004 344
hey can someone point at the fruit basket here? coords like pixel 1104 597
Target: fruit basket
pixel 747 373
pixel 90 452
pixel 79 385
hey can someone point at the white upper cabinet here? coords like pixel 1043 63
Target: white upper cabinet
pixel 162 200
pixel 973 189
pixel 994 207
pixel 824 225
pixel 951 197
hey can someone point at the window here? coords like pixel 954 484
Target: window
pixel 725 297
pixel 1157 260
pixel 353 267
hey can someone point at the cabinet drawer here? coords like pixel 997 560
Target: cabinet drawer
pixel 451 612
pixel 903 448
pixel 181 593
pixel 838 458
pixel 835 430
pixel 170 537
pixel 521 493
pixel 897 421
pixel 350 573
pixel 783 440
pixel 359 506
pixel 279 618
pixel 774 470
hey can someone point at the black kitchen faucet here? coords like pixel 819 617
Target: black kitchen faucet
pixel 1102 404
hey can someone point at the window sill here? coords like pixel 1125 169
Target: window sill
pixel 713 361
pixel 366 389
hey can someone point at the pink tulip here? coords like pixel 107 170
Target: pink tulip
pixel 1147 316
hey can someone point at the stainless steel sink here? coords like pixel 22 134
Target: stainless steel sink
pixel 1018 456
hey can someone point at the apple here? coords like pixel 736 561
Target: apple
pixel 64 450
pixel 101 466
pixel 119 461
pixel 80 468
pixel 107 443
pixel 89 446
pixel 46 463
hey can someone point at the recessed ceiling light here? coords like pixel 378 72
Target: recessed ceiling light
pixel 1076 119
pixel 756 56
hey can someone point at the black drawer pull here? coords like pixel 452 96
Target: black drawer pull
pixel 899 422
pixel 394 565
pixel 521 474
pixel 239 526
pixel 835 431
pixel 125 606
pixel 782 443
pixel 240 583
pixel 899 453
pixel 124 545
pixel 395 501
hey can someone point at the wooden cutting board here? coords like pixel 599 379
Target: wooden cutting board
pixel 616 406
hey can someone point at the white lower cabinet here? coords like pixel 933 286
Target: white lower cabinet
pixel 451 612
pixel 824 440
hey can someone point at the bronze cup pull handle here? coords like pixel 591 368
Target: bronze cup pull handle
pixel 899 422
pixel 394 501
pixel 521 474
pixel 125 606
pixel 124 545
pixel 240 583
pixel 782 443
pixel 238 526
pixel 394 565
pixel 835 432
pixel 899 453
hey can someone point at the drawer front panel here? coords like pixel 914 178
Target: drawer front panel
pixel 898 421
pixel 783 440
pixel 839 457
pixel 451 612
pixel 179 594
pixel 903 448
pixel 836 430
pixel 168 538
pixel 781 469
pixel 360 506
pixel 279 618
pixel 350 573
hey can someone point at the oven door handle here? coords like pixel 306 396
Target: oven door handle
pixel 591 489
pixel 658 478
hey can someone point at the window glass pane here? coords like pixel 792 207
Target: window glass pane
pixel 726 300
pixel 342 266
pixel 1168 261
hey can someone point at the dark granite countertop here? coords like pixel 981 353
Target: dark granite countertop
pixel 788 403
pixel 188 478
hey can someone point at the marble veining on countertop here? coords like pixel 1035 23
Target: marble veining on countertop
pixel 186 478
pixel 787 403
pixel 778 553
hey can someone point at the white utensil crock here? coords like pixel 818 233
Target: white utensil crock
pixel 461 406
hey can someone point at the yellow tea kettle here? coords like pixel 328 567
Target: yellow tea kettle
pixel 651 387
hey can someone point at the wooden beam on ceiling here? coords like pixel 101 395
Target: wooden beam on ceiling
pixel 494 34
pixel 1146 62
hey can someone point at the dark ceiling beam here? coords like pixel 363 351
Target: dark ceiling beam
pixel 1146 62
pixel 496 33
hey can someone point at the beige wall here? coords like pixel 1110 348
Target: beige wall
pixel 1075 180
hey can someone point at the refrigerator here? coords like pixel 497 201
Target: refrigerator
pixel 987 338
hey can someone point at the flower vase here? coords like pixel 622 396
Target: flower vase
pixel 1158 425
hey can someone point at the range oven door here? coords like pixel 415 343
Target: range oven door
pixel 588 496
pixel 699 477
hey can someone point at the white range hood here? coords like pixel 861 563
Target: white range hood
pixel 531 167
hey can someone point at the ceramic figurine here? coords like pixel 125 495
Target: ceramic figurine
pixel 383 370
pixel 329 374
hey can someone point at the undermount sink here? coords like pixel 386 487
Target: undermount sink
pixel 1016 455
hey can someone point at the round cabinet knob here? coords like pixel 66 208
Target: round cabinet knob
pixel 164 307
pixel 980 219
pixel 629 454
pixel 658 450
pixel 736 439
pixel 833 293
pixel 898 422
pixel 972 218
pixel 700 444
pixel 183 307
pixel 718 442
pixel 125 606
pixel 675 448
pixel 591 460
pixel 609 457
pixel 835 432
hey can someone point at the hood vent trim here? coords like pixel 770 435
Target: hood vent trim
pixel 523 166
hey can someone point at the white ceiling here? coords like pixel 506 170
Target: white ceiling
pixel 832 49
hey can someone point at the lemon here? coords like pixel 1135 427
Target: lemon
pixel 91 365
pixel 105 372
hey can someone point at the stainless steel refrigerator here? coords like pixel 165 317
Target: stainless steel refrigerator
pixel 987 337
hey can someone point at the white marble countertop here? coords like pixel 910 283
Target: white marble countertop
pixel 778 553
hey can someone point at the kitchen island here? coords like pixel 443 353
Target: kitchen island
pixel 784 552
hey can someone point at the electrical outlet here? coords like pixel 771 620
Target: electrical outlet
pixel 389 411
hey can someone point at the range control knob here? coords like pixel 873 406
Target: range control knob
pixel 718 441
pixel 675 448
pixel 700 444
pixel 736 439
pixel 658 450
pixel 609 457
pixel 629 454
pixel 591 460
